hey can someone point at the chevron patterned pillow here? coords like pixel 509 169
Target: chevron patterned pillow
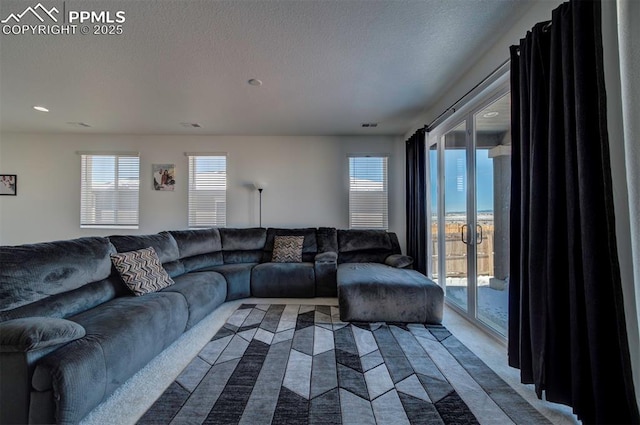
pixel 287 249
pixel 141 271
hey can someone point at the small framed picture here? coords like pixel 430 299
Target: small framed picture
pixel 164 176
pixel 8 184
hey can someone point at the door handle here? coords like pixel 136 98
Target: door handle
pixel 462 234
pixel 479 241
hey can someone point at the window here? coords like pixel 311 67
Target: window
pixel 368 192
pixel 110 184
pixel 207 190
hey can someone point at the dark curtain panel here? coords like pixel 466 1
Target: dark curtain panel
pixel 417 201
pixel 567 331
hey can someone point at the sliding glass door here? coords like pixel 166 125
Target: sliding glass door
pixel 470 177
pixel 455 215
pixel 493 193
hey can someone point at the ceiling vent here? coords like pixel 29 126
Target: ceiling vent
pixel 190 125
pixel 78 124
pixel 369 124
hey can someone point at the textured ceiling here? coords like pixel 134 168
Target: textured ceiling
pixel 327 66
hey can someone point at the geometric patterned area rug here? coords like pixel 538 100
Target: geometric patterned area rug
pixel 299 364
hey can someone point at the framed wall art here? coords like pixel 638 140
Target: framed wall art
pixel 8 184
pixel 164 176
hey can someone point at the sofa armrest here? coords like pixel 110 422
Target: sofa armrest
pixel 326 257
pixel 35 333
pixel 326 270
pixel 399 261
pixel 23 342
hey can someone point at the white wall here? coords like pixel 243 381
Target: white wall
pixel 307 181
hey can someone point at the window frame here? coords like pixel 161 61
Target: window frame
pixel 353 224
pixel 87 189
pixel 192 219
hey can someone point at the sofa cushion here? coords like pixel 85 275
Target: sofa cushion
pixel 141 271
pixel 34 333
pixel 36 271
pixel 366 246
pixel 163 243
pixel 243 239
pixel 327 238
pixel 359 240
pixel 174 268
pixel 287 249
pixel 309 247
pixel 395 244
pixel 153 323
pixel 238 277
pixel 73 302
pixel 203 291
pixel 241 257
pixel 368 256
pixel 283 280
pixel 202 261
pixel 196 242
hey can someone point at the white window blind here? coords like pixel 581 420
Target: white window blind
pixel 207 190
pixel 110 186
pixel 368 192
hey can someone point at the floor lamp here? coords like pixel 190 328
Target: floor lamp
pixel 260 188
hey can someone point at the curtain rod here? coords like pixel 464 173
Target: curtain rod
pixel 452 108
pixel 546 26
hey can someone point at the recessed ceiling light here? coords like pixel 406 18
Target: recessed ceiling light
pixel 254 82
pixel 40 108
pixel 490 114
pixel 79 124
pixel 190 125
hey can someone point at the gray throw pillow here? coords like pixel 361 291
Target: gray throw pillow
pixel 33 333
pixel 399 261
pixel 287 249
pixel 141 271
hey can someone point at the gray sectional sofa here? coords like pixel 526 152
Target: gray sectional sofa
pixel 71 332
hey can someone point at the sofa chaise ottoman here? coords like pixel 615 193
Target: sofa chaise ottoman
pixel 372 292
pixel 375 284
